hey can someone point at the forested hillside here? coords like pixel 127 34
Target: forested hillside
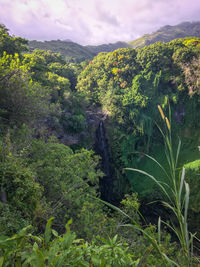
pixel 129 84
pixel 75 52
pixel 168 33
pixel 92 169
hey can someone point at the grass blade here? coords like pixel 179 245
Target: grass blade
pixel 186 213
pixel 151 177
pixel 178 152
pixel 181 183
pixel 154 243
pixel 114 208
pixel 159 230
pixel 153 159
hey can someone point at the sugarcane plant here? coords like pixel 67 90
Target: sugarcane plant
pixel 176 193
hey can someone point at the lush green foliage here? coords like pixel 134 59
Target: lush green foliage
pixel 69 180
pixel 11 44
pixel 20 193
pixel 21 100
pixel 176 192
pixel 59 79
pixel 63 250
pixel 47 105
pixel 129 83
pixel 168 33
pixel 73 52
pixel 76 53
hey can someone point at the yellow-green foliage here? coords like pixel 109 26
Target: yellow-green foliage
pixel 193 178
pixel 25 249
pixel 192 42
pixel 21 193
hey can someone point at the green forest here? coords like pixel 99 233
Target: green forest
pixel 100 159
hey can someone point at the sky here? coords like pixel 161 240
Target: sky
pixel 92 22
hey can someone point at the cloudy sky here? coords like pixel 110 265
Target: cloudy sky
pixel 93 21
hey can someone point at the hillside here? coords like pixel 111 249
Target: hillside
pixel 75 52
pixel 168 33
pixel 79 139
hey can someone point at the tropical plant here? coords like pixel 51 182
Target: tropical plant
pixel 25 249
pixel 20 194
pixel 11 44
pixel 176 192
pixel 21 100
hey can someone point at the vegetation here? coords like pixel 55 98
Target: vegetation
pixel 176 191
pixel 128 84
pixel 73 52
pixel 168 33
pixel 49 174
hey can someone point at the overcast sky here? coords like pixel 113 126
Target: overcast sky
pixel 93 21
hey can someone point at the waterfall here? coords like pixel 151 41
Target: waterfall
pixel 101 147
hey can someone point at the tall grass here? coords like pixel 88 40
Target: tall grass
pixel 176 194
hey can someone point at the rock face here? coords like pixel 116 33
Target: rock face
pixel 70 140
pixel 93 117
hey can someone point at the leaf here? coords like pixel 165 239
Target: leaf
pixel 173 229
pixel 68 224
pixel 36 238
pixel 159 230
pixel 68 240
pixel 185 213
pixel 95 260
pixel 114 207
pixel 115 239
pixel 153 159
pixel 24 230
pixel 186 199
pixel 153 178
pixel 47 234
pixel 155 245
pixel 35 246
pixel 55 233
pixel 1 261
pixel 181 184
pixel 178 151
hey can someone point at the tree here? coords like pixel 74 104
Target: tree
pixel 11 44
pixel 69 179
pixel 20 194
pixel 21 100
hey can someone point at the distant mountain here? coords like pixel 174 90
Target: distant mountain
pixel 67 40
pixel 168 33
pixel 107 47
pixel 74 52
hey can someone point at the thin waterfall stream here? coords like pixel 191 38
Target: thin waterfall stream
pixel 102 149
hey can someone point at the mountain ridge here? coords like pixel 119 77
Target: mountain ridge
pixel 168 33
pixel 75 52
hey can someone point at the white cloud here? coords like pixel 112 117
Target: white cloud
pixel 93 21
